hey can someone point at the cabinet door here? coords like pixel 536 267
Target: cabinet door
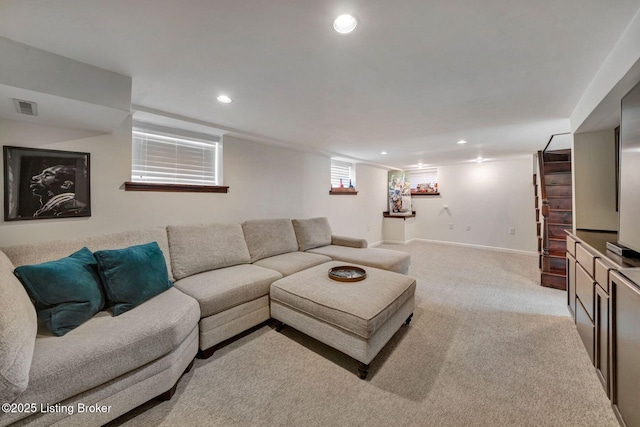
pixel 571 284
pixel 602 337
pixel 625 309
pixel 585 329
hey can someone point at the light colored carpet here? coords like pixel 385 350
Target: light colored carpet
pixel 488 346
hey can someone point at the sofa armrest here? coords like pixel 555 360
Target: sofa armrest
pixel 348 241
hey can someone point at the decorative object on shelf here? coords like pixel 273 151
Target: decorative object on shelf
pixel 44 184
pixel 347 273
pixel 430 189
pixel 399 193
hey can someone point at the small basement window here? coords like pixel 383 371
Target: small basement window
pixel 424 182
pixel 169 159
pixel 343 177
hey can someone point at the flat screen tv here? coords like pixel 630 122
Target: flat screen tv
pixel 629 234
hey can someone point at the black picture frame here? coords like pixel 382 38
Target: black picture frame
pixel 45 184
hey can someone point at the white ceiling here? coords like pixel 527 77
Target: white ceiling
pixel 415 77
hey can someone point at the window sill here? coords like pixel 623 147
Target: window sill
pixel 343 191
pixel 421 193
pixel 174 188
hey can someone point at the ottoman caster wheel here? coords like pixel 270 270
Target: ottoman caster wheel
pixel 363 370
pixel 406 322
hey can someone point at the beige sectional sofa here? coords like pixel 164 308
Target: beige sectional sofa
pixel 222 275
pixel 110 364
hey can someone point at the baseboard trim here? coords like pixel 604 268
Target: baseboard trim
pixel 467 245
pixel 391 242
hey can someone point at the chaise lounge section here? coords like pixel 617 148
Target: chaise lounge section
pixel 314 236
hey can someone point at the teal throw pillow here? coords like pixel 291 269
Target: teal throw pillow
pixel 66 292
pixel 132 275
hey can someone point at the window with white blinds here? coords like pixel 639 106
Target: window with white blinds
pixel 344 172
pixel 173 156
pixel 423 176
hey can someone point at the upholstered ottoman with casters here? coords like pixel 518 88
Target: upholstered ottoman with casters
pixel 356 318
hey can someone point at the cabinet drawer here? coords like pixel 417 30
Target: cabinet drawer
pixel 602 274
pixel 585 259
pixel 571 245
pixel 585 289
pixel 585 329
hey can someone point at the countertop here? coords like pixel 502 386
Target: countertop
pixel 597 240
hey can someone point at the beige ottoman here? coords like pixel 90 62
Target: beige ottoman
pixel 356 318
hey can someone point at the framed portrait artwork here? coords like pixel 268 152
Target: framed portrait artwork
pixel 41 184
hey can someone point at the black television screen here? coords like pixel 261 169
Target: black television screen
pixel 629 234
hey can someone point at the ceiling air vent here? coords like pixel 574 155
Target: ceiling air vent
pixel 26 107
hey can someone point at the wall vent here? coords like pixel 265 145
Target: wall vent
pixel 29 108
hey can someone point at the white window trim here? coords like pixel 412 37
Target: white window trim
pixel 344 170
pixel 427 176
pixel 212 145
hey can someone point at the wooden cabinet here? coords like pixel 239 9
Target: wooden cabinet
pixel 625 346
pixel 603 293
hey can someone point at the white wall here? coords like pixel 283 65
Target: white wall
pixel 490 197
pixel 595 181
pixel 265 182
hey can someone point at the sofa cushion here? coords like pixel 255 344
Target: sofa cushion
pixel 108 347
pixel 385 259
pixel 132 275
pixel 66 292
pixel 312 232
pixel 269 237
pixel 48 251
pixel 204 247
pixel 287 264
pixel 18 328
pixel 221 289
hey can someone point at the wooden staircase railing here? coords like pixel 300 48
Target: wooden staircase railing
pixel 554 172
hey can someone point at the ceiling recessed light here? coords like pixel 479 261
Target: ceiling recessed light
pixel 224 99
pixel 383 152
pixel 345 24
pixel 462 141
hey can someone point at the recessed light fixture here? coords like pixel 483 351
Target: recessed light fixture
pixel 462 141
pixel 224 99
pixel 480 160
pixel 344 24
pixel 383 152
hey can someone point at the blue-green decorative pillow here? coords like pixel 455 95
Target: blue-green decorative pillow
pixel 66 292
pixel 132 275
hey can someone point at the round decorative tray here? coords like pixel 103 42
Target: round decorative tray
pixel 347 273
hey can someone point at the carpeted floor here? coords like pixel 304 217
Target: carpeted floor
pixel 487 347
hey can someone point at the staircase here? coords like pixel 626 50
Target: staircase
pixel 554 215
